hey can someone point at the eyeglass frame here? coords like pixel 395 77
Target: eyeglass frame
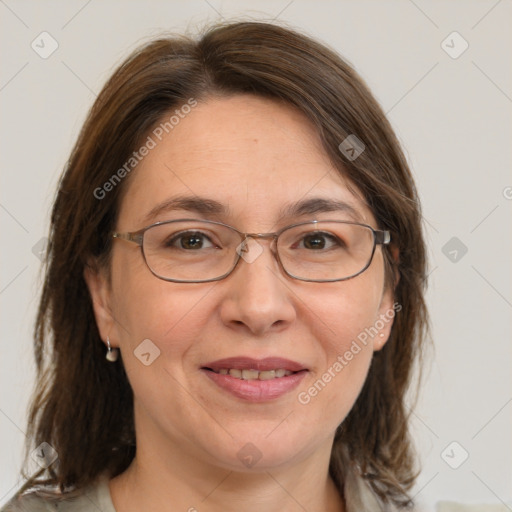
pixel 380 237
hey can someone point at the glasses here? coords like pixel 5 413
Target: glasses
pixel 199 251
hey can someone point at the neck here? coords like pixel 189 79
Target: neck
pixel 228 492
pixel 175 480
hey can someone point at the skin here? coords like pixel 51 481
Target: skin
pixel 253 155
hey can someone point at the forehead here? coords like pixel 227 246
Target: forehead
pixel 255 157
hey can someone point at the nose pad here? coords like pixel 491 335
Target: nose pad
pixel 249 250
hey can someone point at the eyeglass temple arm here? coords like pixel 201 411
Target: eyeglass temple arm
pixel 131 237
pixel 382 237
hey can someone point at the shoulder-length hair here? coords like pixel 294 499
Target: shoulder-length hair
pixel 83 405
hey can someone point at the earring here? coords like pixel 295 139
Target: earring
pixel 381 335
pixel 112 353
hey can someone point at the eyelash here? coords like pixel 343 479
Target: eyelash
pixel 169 243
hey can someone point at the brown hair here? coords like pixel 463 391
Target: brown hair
pixel 83 406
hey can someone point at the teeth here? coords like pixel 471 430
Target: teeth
pixel 255 374
pixel 250 374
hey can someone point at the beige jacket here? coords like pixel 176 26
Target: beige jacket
pixel 358 496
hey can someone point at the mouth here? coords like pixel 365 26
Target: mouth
pixel 255 380
pixel 252 374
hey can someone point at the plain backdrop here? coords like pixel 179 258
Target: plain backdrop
pixel 451 108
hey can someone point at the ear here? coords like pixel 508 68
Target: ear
pixel 384 321
pixel 388 307
pixel 395 254
pixel 100 292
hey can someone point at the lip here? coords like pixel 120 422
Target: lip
pixel 248 363
pixel 255 390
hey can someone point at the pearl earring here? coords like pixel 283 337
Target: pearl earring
pixel 112 353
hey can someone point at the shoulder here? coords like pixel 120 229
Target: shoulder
pixel 93 498
pixel 359 495
pixel 28 503
pixel 34 502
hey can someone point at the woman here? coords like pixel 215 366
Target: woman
pixel 234 289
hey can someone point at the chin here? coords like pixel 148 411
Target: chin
pixel 257 451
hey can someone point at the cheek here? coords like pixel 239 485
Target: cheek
pixel 331 390
pixel 145 307
pixel 173 318
pixel 345 311
pixel 342 325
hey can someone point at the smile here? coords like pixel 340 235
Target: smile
pixel 255 374
pixel 255 380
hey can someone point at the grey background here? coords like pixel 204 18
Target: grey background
pixel 451 114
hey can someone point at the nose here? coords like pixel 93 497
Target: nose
pixel 258 298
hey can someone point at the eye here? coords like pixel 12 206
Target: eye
pixel 320 241
pixel 188 240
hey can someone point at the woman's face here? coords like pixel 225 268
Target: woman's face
pixel 255 157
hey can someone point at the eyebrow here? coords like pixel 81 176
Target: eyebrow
pixel 201 205
pixel 319 205
pixel 209 207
